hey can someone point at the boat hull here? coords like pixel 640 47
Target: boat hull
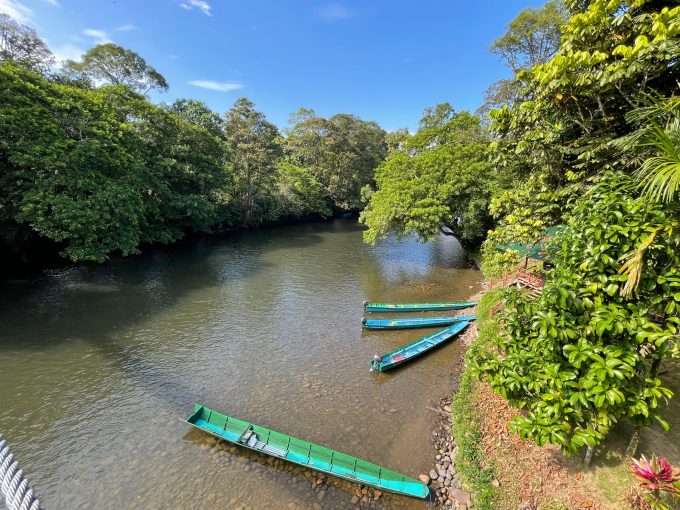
pixel 414 323
pixel 416 348
pixel 304 453
pixel 416 307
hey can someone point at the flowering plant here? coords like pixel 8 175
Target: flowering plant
pixel 657 479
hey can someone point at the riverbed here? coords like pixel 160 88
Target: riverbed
pixel 98 364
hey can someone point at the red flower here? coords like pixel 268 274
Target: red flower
pixel 655 474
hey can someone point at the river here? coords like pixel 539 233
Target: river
pixel 99 363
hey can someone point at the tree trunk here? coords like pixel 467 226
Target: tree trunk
pixel 634 440
pixel 589 456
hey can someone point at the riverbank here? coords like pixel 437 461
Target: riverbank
pixel 485 466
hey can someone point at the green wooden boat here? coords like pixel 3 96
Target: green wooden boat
pixel 415 322
pixel 303 453
pixel 407 352
pixel 416 307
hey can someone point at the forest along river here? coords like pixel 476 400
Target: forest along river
pixel 98 364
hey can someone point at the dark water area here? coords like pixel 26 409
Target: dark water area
pixel 98 363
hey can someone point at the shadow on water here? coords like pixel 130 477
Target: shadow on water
pixel 66 304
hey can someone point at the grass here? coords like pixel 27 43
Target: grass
pixel 476 473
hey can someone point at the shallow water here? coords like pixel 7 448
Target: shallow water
pixel 98 364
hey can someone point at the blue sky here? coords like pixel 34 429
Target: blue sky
pixel 384 60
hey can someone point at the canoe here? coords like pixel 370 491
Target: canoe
pixel 416 307
pixel 416 348
pixel 416 322
pixel 297 451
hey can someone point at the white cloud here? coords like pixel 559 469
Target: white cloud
pixel 334 12
pixel 53 2
pixel 16 10
pixel 201 5
pixel 216 85
pixel 127 28
pixel 67 52
pixel 99 36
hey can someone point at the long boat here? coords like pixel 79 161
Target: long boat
pixel 416 348
pixel 414 322
pixel 303 453
pixel 416 307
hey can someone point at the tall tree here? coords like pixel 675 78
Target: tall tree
pixel 199 114
pixel 532 38
pixel 341 152
pixel 255 150
pixel 21 44
pixel 115 65
pixel 613 55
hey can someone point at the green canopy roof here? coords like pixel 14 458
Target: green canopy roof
pixel 533 250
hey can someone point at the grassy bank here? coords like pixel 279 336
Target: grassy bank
pixel 471 462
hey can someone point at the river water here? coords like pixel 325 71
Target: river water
pixel 98 364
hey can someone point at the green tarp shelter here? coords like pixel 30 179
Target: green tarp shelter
pixel 535 250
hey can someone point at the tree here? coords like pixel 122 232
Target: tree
pixel 532 38
pixel 298 194
pixel 70 171
pixel 21 44
pixel 396 140
pixel 341 152
pixel 115 65
pixel 436 116
pixel 101 171
pixel 613 55
pixel 440 181
pixel 255 149
pixel 199 114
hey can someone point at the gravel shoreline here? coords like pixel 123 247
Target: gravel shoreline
pixel 443 479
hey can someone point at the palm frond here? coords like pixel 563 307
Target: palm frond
pixel 660 174
pixel 633 264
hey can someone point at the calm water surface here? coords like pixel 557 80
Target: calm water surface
pixel 97 365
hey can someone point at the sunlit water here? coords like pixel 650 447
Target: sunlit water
pixel 98 364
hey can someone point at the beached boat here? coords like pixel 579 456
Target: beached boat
pixel 415 322
pixel 415 307
pixel 301 452
pixel 416 348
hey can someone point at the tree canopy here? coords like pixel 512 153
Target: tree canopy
pixel 112 64
pixel 22 45
pixel 342 153
pixel 439 180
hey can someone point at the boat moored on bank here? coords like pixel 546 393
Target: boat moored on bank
pixel 415 307
pixel 414 322
pixel 414 349
pixel 303 453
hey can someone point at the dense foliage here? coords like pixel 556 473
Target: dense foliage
pixel 76 171
pixel 613 55
pixel 341 153
pixel 437 180
pixel 593 146
pixel 582 356
pixel 89 164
